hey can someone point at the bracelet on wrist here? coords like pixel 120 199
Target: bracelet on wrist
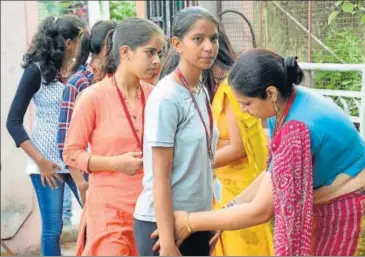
pixel 231 204
pixel 188 227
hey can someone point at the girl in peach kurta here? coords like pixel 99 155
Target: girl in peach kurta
pixel 110 117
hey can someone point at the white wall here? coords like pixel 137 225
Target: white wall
pixel 211 6
pixel 98 10
pixel 19 213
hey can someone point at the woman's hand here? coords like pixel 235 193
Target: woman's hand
pixel 218 233
pixel 128 163
pixel 83 188
pixel 48 170
pixel 214 240
pixel 181 230
pixel 81 183
pixel 172 250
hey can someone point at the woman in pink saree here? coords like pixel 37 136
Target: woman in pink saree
pixel 315 182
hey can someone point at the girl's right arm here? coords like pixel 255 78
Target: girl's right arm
pixel 161 126
pixel 78 136
pixel 162 194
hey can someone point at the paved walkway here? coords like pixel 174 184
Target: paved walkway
pixel 69 235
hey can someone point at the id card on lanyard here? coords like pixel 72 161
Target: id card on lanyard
pixel 208 134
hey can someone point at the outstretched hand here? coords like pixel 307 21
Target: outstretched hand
pixel 181 231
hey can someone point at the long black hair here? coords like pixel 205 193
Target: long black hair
pixel 93 41
pixel 48 44
pixel 258 69
pixel 170 63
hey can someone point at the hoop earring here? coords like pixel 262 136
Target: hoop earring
pixel 275 107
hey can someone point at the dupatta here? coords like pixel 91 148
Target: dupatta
pixel 292 182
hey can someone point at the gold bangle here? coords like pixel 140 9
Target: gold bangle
pixel 187 223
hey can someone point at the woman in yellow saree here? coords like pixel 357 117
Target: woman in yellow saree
pixel 240 157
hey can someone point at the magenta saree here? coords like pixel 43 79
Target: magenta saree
pixel 293 189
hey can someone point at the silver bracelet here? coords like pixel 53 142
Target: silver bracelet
pixel 231 204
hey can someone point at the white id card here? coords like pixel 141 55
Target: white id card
pixel 217 189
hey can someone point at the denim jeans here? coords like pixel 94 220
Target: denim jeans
pixel 197 244
pixel 67 201
pixel 67 204
pixel 50 205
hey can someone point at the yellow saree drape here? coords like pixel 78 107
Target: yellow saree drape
pixel 232 179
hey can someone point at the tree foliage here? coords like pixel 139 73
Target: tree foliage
pixel 119 10
pixel 348 8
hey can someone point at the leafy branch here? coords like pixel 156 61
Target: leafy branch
pixel 348 7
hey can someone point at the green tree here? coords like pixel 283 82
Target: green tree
pixel 348 8
pixel 119 10
pixel 348 46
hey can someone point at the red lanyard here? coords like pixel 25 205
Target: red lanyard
pixel 209 137
pixel 129 118
pixel 280 120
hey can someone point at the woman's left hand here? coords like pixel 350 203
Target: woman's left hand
pixel 214 240
pixel 83 188
pixel 181 230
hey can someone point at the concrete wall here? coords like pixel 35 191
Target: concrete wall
pixel 141 9
pixel 98 11
pixel 20 220
pixel 20 217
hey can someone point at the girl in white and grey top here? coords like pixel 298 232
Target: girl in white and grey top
pixel 178 172
pixel 172 121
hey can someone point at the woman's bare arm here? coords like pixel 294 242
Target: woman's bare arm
pixel 162 165
pixel 248 194
pixel 235 150
pixel 258 211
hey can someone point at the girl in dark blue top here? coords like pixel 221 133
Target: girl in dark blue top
pixel 46 66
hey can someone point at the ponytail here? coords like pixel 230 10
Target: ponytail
pixel 83 51
pixel 93 41
pixel 171 62
pixel 48 44
pixel 110 63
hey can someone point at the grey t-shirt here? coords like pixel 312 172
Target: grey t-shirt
pixel 171 120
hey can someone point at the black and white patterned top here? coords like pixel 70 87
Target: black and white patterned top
pixel 47 100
